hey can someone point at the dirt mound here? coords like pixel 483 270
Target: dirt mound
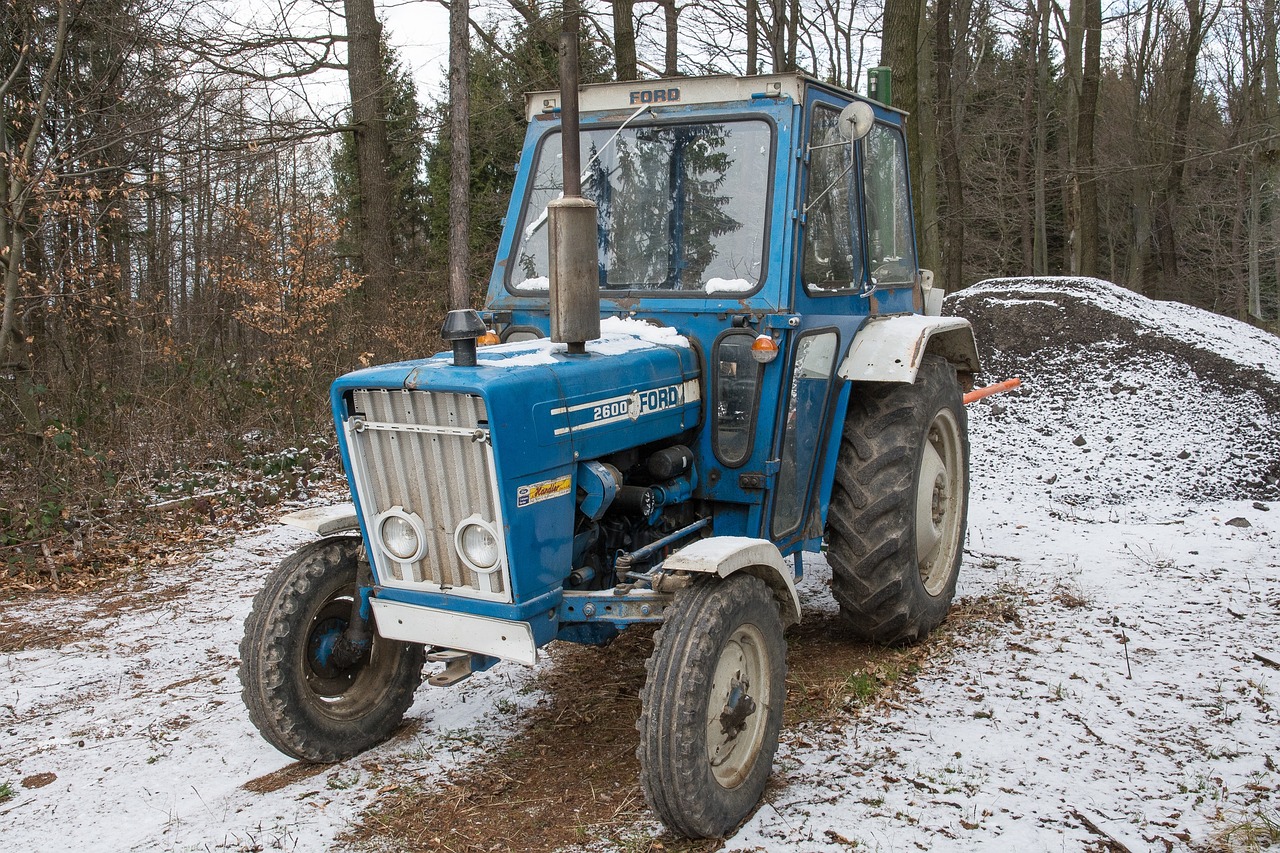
pixel 1127 398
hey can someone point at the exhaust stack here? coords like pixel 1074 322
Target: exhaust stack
pixel 575 275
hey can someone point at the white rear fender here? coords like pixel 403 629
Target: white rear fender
pixel 889 348
pixel 727 555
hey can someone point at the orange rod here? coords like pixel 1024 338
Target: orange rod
pixel 999 388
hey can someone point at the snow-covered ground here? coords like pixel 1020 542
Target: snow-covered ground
pixel 1123 690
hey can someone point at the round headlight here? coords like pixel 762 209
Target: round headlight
pixel 478 545
pixel 399 538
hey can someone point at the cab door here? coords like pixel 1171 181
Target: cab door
pixel 828 282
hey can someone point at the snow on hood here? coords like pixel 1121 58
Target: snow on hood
pixel 618 335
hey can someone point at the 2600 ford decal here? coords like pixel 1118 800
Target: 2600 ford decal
pixel 630 407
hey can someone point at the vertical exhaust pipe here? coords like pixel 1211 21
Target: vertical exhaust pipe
pixel 571 233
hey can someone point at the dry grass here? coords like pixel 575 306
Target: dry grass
pixel 1248 830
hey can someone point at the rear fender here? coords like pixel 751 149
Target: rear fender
pixel 890 348
pixel 727 555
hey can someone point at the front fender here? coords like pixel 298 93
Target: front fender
pixel 324 520
pixel 727 555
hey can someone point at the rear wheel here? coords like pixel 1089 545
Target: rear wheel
pixel 896 522
pixel 711 708
pixel 310 697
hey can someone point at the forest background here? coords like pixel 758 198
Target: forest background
pixel 198 235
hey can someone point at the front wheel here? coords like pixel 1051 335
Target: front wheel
pixel 896 523
pixel 711 708
pixel 308 697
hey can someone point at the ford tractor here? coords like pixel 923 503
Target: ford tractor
pixel 706 353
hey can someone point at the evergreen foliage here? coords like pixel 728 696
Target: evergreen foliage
pixel 406 135
pixel 499 76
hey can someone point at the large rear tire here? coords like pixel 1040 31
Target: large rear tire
pixel 711 708
pixel 896 522
pixel 307 701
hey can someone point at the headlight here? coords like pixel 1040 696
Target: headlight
pixel 401 535
pixel 478 544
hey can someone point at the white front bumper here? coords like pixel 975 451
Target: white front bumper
pixel 462 631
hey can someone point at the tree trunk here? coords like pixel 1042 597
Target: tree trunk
pixel 368 115
pixel 671 53
pixel 1085 173
pixel 900 51
pixel 459 157
pixel 777 39
pixel 753 36
pixel 948 149
pixel 624 40
pixel 1040 248
pixel 1140 199
pixel 1171 193
pixel 793 34
pixel 1023 172
pixel 1268 159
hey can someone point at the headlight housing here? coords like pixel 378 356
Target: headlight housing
pixel 401 535
pixel 478 544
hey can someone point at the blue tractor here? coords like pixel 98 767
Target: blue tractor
pixel 705 355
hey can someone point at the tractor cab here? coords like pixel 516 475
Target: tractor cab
pixel 766 219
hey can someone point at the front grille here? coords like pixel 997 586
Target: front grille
pixel 429 454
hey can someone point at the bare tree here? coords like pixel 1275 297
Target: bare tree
pixel 368 118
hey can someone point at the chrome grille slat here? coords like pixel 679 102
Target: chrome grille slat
pixel 418 450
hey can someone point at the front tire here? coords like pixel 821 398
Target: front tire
pixel 896 522
pixel 305 700
pixel 711 707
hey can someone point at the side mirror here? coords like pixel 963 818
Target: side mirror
pixel 856 120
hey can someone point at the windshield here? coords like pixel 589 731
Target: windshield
pixel 681 207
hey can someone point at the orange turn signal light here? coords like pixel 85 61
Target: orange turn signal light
pixel 764 349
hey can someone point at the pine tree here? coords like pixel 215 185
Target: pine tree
pixel 406 136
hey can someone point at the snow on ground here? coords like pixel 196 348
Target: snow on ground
pixel 140 722
pixel 1119 528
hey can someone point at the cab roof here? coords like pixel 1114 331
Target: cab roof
pixel 630 95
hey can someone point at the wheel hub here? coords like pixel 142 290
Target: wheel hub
pixel 939 502
pixel 939 499
pixel 320 652
pixel 333 661
pixel 737 709
pixel 735 717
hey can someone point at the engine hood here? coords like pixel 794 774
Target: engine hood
pixel 636 384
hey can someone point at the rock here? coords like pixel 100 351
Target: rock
pixel 1078 441
pixel 1260 505
pixel 1051 480
pixel 1238 521
pixel 1184 455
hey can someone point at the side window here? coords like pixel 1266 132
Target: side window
pixel 737 389
pixel 806 406
pixel 832 254
pixel 890 240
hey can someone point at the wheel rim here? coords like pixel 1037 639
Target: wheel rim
pixel 340 691
pixel 737 709
pixel 939 501
pixel 324 676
